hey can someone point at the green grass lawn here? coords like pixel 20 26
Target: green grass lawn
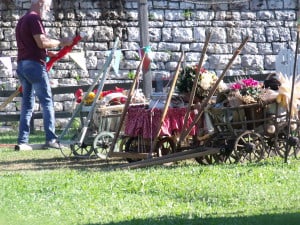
pixel 43 188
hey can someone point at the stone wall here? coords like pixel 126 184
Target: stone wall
pixel 174 26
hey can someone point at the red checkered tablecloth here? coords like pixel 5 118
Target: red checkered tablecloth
pixel 144 122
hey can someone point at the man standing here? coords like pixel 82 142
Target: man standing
pixel 32 43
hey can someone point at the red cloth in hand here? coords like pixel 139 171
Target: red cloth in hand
pixel 65 50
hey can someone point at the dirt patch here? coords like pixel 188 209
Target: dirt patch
pixel 49 162
pixel 7 145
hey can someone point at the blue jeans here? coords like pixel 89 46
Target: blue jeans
pixel 35 82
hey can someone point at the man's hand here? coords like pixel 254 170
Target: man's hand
pixel 66 41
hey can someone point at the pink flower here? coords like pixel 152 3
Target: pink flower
pixel 255 83
pixel 236 86
pixel 247 87
pixel 202 70
pixel 250 82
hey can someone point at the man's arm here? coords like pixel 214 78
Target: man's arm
pixel 44 42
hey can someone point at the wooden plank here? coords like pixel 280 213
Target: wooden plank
pixel 9 117
pixel 35 146
pixel 108 86
pixel 32 146
pixel 170 158
pixel 37 115
pixel 126 84
pixel 129 155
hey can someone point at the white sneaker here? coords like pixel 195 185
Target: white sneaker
pixel 52 144
pixel 22 147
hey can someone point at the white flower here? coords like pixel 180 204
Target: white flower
pixel 205 84
pixel 207 80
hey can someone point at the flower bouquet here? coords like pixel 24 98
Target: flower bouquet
pixel 248 92
pixel 245 91
pixel 205 82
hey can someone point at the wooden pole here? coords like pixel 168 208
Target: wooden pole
pixel 127 103
pixel 288 145
pixel 213 90
pixel 166 106
pixel 144 39
pixel 194 88
pixel 10 98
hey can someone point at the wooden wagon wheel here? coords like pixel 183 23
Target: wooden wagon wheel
pixel 270 146
pixel 83 150
pixel 165 146
pixel 136 145
pixel 213 158
pixel 297 146
pixel 249 147
pixel 102 143
pixel 282 141
pixel 122 144
pixel 66 152
pixel 228 153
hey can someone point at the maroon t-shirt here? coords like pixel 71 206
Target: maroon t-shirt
pixel 28 26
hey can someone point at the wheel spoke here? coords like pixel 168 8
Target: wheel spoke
pixel 102 144
pixel 165 146
pixel 249 146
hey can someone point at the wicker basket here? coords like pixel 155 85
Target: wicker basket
pixel 107 118
pixel 246 117
pixel 254 115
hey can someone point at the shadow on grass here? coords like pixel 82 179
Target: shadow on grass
pixel 266 219
pixel 53 163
